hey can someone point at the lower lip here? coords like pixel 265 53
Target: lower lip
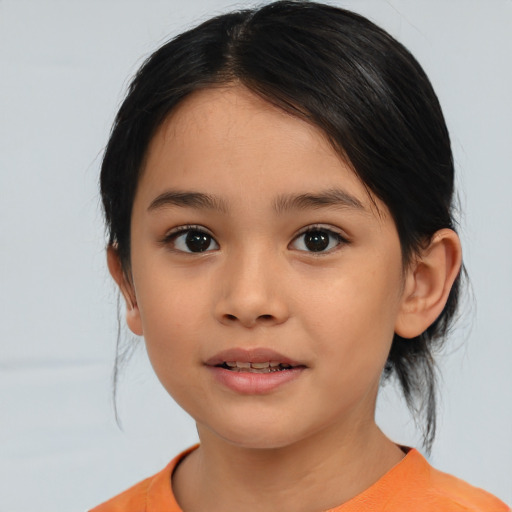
pixel 248 383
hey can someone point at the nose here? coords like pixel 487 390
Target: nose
pixel 251 292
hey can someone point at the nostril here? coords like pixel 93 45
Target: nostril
pixel 260 318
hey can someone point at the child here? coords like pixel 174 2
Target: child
pixel 278 190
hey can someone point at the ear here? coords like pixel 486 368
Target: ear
pixel 428 282
pixel 126 287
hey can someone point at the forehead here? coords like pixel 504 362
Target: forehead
pixel 220 109
pixel 228 141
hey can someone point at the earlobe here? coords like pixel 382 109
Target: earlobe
pixel 117 272
pixel 428 282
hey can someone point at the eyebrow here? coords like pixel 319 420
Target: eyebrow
pixel 198 200
pixel 330 198
pixel 337 198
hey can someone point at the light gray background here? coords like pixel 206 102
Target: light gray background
pixel 64 66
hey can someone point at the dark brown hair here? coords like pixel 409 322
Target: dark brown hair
pixel 340 72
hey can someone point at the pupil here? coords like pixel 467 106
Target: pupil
pixel 316 241
pixel 197 241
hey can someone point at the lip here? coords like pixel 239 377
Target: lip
pixel 247 383
pixel 254 355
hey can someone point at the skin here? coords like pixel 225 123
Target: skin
pixel 312 443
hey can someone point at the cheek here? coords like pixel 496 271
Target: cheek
pixel 172 314
pixel 171 329
pixel 353 315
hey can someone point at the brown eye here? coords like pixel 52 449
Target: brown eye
pixel 193 241
pixel 317 240
pixel 197 241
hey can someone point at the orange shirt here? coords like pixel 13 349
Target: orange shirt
pixel 410 486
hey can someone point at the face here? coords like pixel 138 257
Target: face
pixel 264 278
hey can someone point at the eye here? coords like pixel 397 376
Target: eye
pixel 317 240
pixel 192 240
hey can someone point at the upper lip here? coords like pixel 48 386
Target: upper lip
pixel 254 355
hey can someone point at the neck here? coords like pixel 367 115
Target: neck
pixel 319 473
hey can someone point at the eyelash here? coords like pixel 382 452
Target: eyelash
pixel 208 239
pixel 339 238
pixel 172 236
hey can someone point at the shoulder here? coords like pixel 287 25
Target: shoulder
pixel 414 485
pixel 433 490
pixel 131 500
pixel 153 494
pixel 445 488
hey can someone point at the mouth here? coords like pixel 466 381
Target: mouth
pixel 253 367
pixel 254 371
pixel 255 360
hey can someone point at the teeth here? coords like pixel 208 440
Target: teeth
pixel 260 366
pixel 265 367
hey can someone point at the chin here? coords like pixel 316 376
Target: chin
pixel 254 435
pixel 269 442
